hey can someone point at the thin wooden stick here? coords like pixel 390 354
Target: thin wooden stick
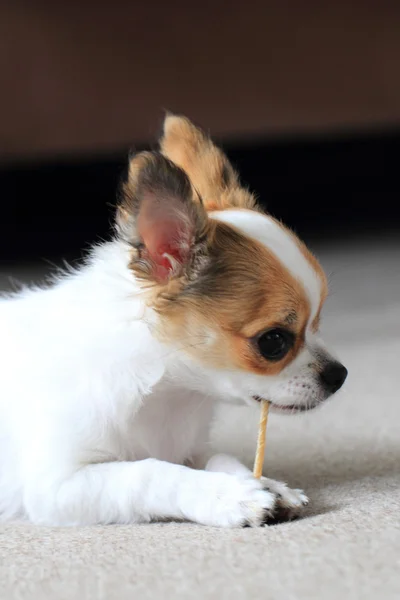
pixel 259 460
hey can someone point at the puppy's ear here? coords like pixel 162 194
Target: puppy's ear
pixel 159 217
pixel 208 168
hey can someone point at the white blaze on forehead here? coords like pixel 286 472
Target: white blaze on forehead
pixel 269 233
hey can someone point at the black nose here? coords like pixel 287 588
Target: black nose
pixel 333 377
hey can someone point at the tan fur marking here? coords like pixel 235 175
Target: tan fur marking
pixel 313 261
pixel 324 282
pixel 219 315
pixel 208 168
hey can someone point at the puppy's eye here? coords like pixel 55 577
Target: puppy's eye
pixel 274 344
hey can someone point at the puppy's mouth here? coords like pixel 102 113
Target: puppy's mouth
pixel 288 409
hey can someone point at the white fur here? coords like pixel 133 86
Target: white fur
pixel 98 419
pixel 268 232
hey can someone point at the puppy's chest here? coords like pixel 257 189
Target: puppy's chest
pixel 171 425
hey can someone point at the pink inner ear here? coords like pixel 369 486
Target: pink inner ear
pixel 165 238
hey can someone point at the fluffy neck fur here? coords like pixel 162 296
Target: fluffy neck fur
pixel 100 314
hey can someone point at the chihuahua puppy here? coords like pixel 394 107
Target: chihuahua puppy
pixel 109 376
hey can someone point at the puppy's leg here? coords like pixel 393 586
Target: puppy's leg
pixel 289 503
pixel 131 492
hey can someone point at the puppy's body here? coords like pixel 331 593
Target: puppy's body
pixel 109 376
pixel 78 362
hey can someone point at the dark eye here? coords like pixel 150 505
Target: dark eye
pixel 275 343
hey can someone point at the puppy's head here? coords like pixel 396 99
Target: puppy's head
pixel 237 294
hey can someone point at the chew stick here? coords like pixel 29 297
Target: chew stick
pixel 259 460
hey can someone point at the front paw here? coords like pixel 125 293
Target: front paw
pixel 238 502
pixel 290 504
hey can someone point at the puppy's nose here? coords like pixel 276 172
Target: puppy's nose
pixel 333 377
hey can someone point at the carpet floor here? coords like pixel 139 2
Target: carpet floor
pixel 346 456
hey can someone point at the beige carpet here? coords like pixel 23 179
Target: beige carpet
pixel 346 456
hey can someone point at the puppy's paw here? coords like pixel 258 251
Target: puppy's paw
pixel 290 503
pixel 239 502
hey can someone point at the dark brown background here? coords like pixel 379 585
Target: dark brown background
pixel 304 95
pixel 94 76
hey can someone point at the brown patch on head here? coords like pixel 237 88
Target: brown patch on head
pixel 242 291
pixel 315 265
pixel 208 168
pixel 309 256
